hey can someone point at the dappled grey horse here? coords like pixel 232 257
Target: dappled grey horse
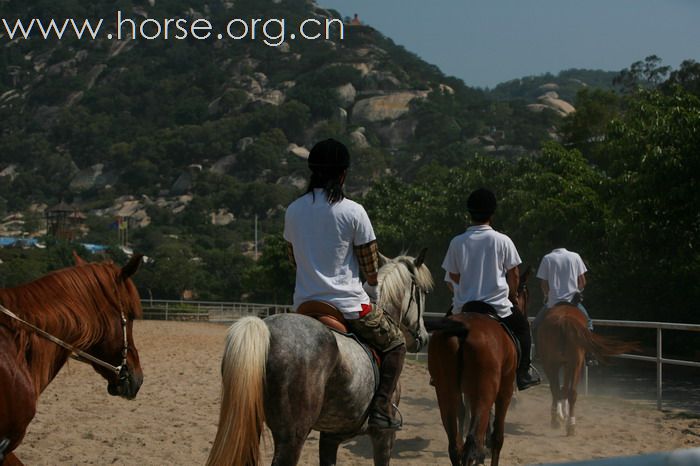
pixel 293 373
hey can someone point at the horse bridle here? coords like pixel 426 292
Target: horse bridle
pixel 415 333
pixel 122 370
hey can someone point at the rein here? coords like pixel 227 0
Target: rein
pixel 78 354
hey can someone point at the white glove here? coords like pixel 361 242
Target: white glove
pixel 371 291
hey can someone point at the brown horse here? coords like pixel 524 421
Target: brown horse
pixel 475 360
pixel 562 342
pixel 87 310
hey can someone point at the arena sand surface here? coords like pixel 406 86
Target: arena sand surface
pixel 173 419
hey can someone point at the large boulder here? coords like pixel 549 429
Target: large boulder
pixel 384 107
pixel 346 95
pixel 553 102
pixel 299 151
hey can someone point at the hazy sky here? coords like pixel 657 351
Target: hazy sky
pixel 486 42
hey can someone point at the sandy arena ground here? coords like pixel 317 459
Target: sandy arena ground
pixel 173 419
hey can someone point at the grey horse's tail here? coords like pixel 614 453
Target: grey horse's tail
pixel 242 415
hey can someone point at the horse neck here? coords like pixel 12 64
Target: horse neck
pixel 55 316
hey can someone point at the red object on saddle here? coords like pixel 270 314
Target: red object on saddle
pixel 366 309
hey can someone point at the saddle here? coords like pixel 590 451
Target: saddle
pixel 575 300
pixel 480 307
pixel 332 318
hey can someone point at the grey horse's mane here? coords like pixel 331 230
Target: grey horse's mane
pixel 393 277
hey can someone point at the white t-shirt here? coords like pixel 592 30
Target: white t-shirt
pixel 561 269
pixel 481 256
pixel 323 236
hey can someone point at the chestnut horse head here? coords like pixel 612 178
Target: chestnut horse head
pixel 87 309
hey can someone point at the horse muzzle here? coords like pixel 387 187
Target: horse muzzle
pixel 127 386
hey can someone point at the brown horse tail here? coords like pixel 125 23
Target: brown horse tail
pixel 601 346
pixel 242 415
pixel 448 327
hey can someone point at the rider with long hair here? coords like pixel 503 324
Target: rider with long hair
pixel 483 264
pixel 331 240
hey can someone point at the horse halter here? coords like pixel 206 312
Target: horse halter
pixel 122 370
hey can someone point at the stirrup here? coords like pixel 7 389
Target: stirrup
pixel 379 420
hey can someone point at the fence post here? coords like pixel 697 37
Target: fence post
pixel 659 368
pixel 166 310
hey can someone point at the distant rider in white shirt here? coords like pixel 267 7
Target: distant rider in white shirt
pixel 483 265
pixel 562 275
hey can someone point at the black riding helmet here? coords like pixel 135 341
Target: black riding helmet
pixel 329 157
pixel 481 204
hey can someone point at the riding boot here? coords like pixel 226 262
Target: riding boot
pixel 381 415
pixel 520 327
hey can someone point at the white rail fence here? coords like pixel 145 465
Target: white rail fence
pixel 658 359
pixel 207 311
pixel 228 312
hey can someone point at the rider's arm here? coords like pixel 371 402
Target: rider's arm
pixel 581 282
pixel 513 279
pixel 544 284
pixel 455 277
pixel 368 258
pixel 290 254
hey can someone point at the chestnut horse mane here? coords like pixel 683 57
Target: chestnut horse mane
pixel 80 304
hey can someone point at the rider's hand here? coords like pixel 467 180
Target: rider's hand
pixel 371 291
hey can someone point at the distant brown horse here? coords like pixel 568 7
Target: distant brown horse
pixel 475 360
pixel 87 310
pixel 562 341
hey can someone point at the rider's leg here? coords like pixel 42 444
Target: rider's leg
pixel 590 358
pixel 520 327
pixel 535 323
pixel 585 313
pixel 381 332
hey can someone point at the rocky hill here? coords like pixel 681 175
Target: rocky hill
pixel 193 141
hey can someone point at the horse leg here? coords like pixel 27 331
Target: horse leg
pixel 328 448
pixel 288 448
pixel 291 412
pixel 499 422
pixel 443 363
pixel 382 444
pixel 452 413
pixel 573 377
pixel 552 372
pixel 474 452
